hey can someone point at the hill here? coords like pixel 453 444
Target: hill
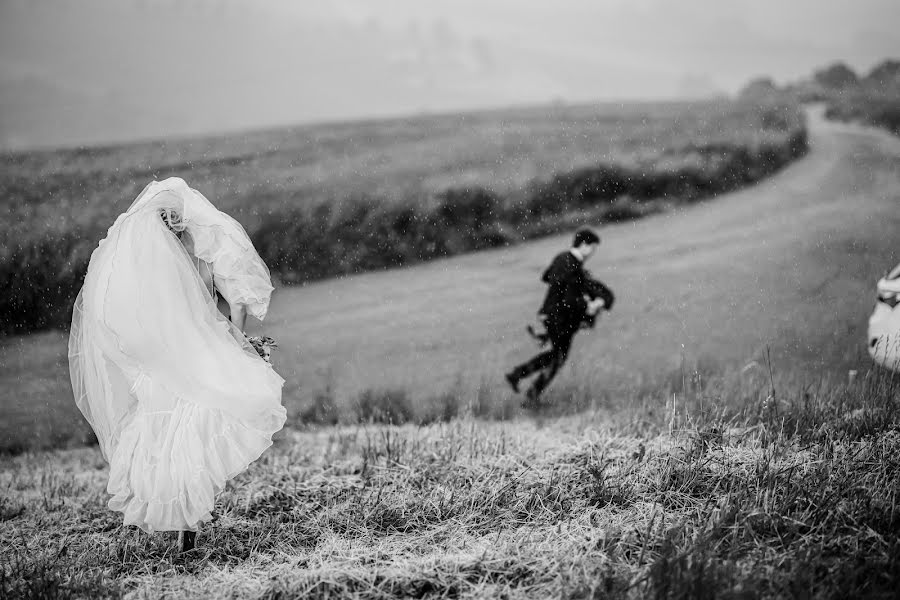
pixel 706 288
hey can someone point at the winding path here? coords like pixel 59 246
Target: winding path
pixel 788 264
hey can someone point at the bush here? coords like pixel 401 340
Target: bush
pixel 391 406
pixel 878 110
pixel 39 279
pixel 322 411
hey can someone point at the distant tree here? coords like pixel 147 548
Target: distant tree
pixel 837 77
pixel 885 74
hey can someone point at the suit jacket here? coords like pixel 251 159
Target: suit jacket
pixel 596 289
pixel 565 305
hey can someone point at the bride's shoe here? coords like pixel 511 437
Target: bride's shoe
pixel 186 540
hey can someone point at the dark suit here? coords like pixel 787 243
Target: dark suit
pixel 564 304
pixel 595 290
pixel 563 312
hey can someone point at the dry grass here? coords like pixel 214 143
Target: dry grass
pixel 730 490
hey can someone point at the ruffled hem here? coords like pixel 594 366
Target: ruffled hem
pixel 169 466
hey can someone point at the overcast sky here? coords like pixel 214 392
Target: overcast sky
pixel 91 71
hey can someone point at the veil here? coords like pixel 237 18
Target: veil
pixel 144 315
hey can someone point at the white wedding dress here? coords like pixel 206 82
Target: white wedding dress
pixel 180 402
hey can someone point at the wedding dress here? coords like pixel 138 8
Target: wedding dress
pixel 884 322
pixel 180 402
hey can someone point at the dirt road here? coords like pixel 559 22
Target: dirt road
pixel 789 264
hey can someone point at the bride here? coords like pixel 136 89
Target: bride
pixel 178 398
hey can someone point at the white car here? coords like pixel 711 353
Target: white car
pixel 884 324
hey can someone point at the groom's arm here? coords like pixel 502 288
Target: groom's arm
pixel 596 289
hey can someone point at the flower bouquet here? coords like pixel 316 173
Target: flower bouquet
pixel 263 345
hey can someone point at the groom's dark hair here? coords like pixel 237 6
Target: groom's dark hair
pixel 585 236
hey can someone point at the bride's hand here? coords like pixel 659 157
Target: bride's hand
pixel 263 345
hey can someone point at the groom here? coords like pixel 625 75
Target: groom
pixel 573 297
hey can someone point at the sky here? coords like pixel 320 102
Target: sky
pixel 83 72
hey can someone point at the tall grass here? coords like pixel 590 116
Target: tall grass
pixel 328 200
pixel 716 488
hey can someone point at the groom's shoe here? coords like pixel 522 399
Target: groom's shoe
pixel 513 381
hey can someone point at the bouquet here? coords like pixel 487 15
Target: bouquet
pixel 263 345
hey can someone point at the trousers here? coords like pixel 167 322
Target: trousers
pixel 549 362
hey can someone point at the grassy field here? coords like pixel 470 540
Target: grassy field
pixel 705 442
pixel 334 199
pixel 704 495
